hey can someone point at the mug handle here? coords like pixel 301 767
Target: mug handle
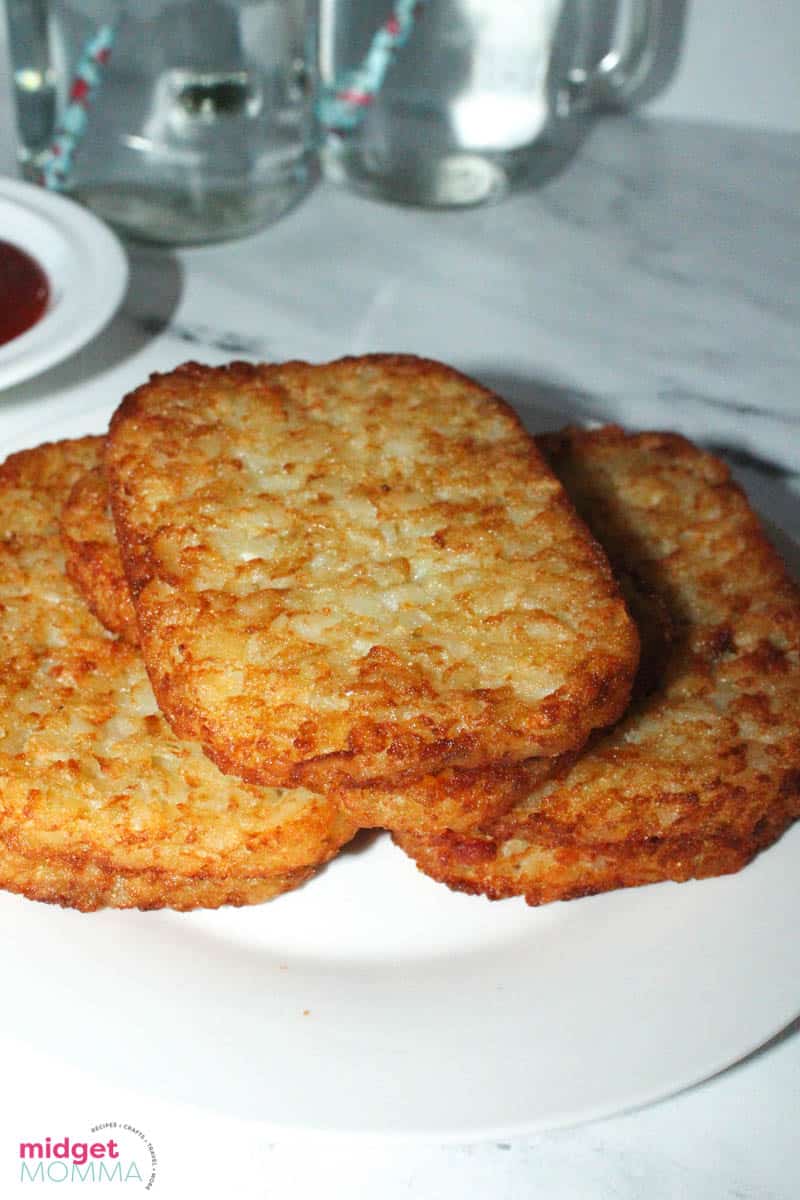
pixel 623 67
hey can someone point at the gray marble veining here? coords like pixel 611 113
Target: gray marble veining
pixel 655 281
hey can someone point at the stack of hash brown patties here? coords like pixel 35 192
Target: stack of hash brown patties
pixel 329 597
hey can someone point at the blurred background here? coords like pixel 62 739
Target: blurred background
pixel 738 63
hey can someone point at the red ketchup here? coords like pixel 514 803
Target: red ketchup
pixel 24 291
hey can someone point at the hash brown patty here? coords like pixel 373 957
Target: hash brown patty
pixel 452 799
pixel 702 772
pixel 100 803
pixel 359 572
pixel 92 555
pixel 80 883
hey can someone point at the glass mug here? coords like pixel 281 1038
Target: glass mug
pixel 179 121
pixel 449 102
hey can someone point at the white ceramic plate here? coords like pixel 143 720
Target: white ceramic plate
pixel 374 1001
pixel 86 267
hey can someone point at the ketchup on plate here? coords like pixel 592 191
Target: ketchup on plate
pixel 24 291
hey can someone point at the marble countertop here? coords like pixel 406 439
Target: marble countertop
pixel 655 282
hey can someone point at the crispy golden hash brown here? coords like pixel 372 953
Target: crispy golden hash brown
pixel 452 799
pixel 79 883
pixel 99 802
pixel 455 798
pixel 702 772
pixel 360 571
pixel 92 555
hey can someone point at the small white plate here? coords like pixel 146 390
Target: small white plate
pixel 84 263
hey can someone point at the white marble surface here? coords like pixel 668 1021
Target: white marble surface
pixel 657 281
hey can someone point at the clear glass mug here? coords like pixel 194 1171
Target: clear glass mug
pixel 449 102
pixel 179 121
